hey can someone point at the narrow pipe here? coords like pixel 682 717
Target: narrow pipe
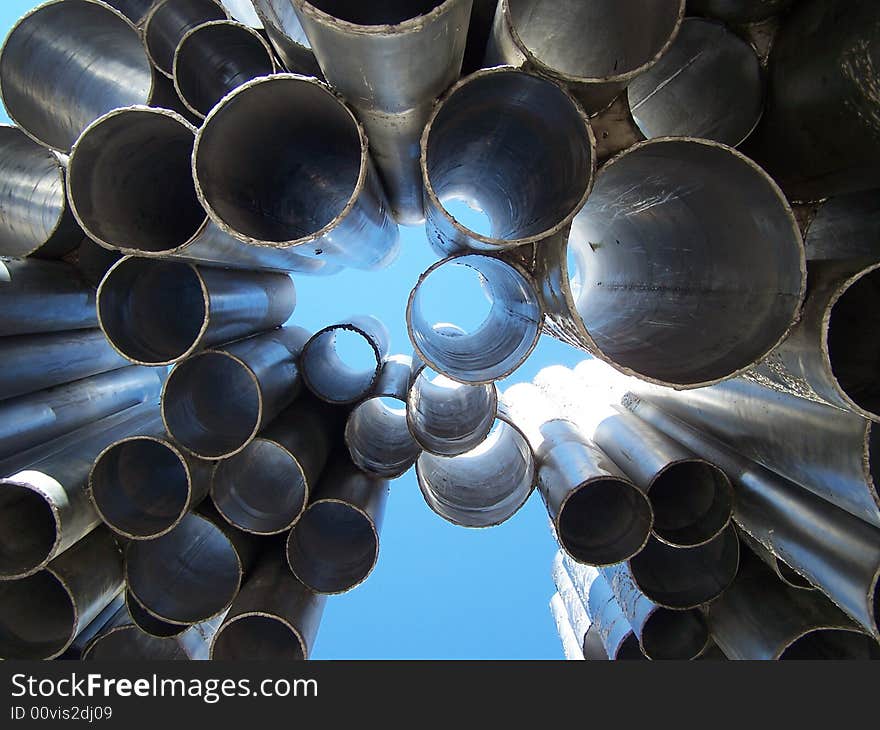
pixel 580 624
pixel 500 343
pixel 75 651
pixel 169 21
pixel 216 402
pixel 739 11
pixel 323 199
pixel 594 48
pixel 676 235
pixel 161 312
pixel 135 10
pixel 265 487
pixel 334 546
pixel 527 184
pixel 341 363
pixel 286 34
pixel 845 227
pixel 570 648
pixel 35 219
pixel 274 617
pixel 479 31
pixel 40 615
pixel 787 575
pixel 66 63
pixel 148 623
pixel 390 60
pixel 376 432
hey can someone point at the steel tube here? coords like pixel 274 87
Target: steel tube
pixel 216 402
pixel 845 227
pixel 165 96
pixel 167 24
pixel 322 199
pixel 161 312
pixel 787 575
pixel 75 651
pixel 286 34
pixel 93 262
pixel 334 546
pixel 41 615
pixel 580 624
pixel 148 623
pixel 529 187
pixel 739 11
pixel 570 648
pixel 135 10
pixel 479 31
pixel 243 11
pixel 594 48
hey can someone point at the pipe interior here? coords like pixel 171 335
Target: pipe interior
pixel 148 623
pixel 340 364
pixel 376 12
pixel 152 311
pixel 792 577
pixel 253 637
pixel 261 489
pixel 131 182
pixel 333 547
pixel 28 529
pixel 675 634
pixel 211 404
pixel 280 160
pixel 490 145
pixel 378 436
pixel 129 643
pixel 630 650
pixel 37 617
pixel 171 21
pixel 833 644
pixel 689 262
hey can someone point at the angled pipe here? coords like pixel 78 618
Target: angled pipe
pixel 169 21
pixel 845 227
pixel 287 36
pixel 75 651
pixel 783 572
pixel 739 11
pixel 148 623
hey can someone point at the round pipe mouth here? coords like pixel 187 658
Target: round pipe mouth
pixel 629 650
pixel 66 63
pixel 333 547
pixel 244 12
pixel 30 526
pixel 500 343
pixel 153 312
pixel 681 635
pixel 258 635
pixel 381 17
pixel 215 58
pixel 829 643
pixel 148 623
pixel 528 188
pixel 262 489
pixel 341 363
pixel 378 437
pixel 677 234
pixel 129 643
pixel 312 144
pixel 169 21
pixel 483 487
pixel 38 617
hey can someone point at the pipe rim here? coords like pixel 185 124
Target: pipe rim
pixel 263 615
pixel 148 21
pixel 58 525
pixel 357 455
pixel 650 647
pixel 270 24
pixel 834 632
pixel 347 327
pixel 140 612
pixel 410 25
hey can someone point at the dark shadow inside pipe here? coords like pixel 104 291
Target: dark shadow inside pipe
pixel 37 617
pixel 150 624
pixel 675 634
pixel 792 577
pixel 378 437
pixel 129 643
pixel 340 364
pixel 376 12
pixel 630 650
pixel 170 22
pixel 27 529
pixel 833 644
pixel 256 637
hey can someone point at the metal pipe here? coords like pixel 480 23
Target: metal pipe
pixel 479 31
pixel 40 615
pixel 322 199
pixel 165 96
pixel 286 34
pixel 570 648
pixel 93 262
pixel 130 187
pixel 264 488
pixel 243 11
pixel 216 57
pixel 739 11
pixel 390 61
pixel 75 651
pixel 161 312
pixel 676 235
pixel 169 21
pixel 274 617
pixel 787 575
pixel 845 227
pixel 585 632
pixel 342 362
pixel 135 10
pixel 67 62
pixel 500 343
pixel 527 184
pixel 594 48
pixel 148 623
pixel 34 216
pixel 376 433
pixel 334 546
pixel 216 402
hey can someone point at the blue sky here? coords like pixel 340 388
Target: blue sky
pixel 438 591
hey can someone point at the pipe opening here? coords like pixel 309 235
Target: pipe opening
pixel 333 547
pixel 148 623
pixel 28 529
pixel 488 146
pixel 129 643
pixel 262 489
pixel 153 312
pixel 279 160
pixel 140 487
pixel 170 21
pixel 630 650
pixel 832 644
pixel 340 364
pixel 379 439
pixel 604 521
pixel 377 12
pixel 792 577
pixel 254 636
pixel 675 634
pixel 675 236
pixel 37 617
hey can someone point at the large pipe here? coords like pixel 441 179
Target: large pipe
pixel 274 617
pixel 528 185
pixel 287 36
pixel 216 57
pixel 594 48
pixel 161 312
pixel 570 647
pixel 390 60
pixel 334 546
pixel 500 343
pixel 216 402
pixel 845 227
pixel 169 21
pixel 135 10
pixel 265 487
pixel 676 235
pixel 322 198
pixel 66 63
pixel 739 11
pixel 41 615
pixel 376 432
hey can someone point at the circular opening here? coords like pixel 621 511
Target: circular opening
pixel 37 617
pixel 376 12
pixel 280 160
pixel 833 644
pixel 28 529
pixel 378 437
pixel 255 637
pixel 456 295
pixel 170 21
pixel 153 312
pixel 148 623
pixel 211 405
pixel 630 650
pixel 129 643
pixel 332 548
pixel 262 489
pixel 675 634
pixel 604 521
pixel 491 144
pixel 130 182
pixel 692 503
pixel 340 364
pixel 855 358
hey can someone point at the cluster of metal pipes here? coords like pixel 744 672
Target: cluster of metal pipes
pixel 185 157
